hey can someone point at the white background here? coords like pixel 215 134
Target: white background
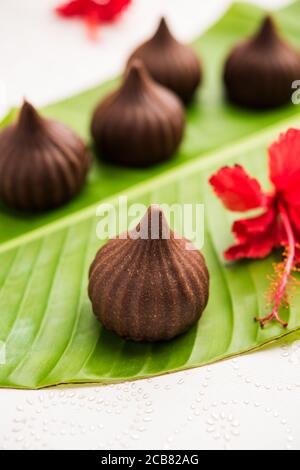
pixel 250 402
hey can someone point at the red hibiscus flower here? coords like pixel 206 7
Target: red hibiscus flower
pixel 93 12
pixel 278 224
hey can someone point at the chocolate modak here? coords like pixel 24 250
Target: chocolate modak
pixel 140 124
pixel 171 63
pixel 43 163
pixel 149 285
pixel 259 72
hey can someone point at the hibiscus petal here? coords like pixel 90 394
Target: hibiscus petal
pixel 297 255
pixel 238 191
pixel 284 163
pixel 254 226
pixel 249 250
pixel 257 236
pixel 253 247
pixel 294 214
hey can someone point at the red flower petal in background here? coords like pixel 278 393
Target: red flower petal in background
pixel 74 8
pixel 237 190
pixel 93 12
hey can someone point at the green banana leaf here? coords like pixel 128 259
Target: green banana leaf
pixel 46 322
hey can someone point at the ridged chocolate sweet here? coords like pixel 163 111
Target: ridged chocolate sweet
pixel 140 124
pixel 150 288
pixel 259 72
pixel 43 163
pixel 171 63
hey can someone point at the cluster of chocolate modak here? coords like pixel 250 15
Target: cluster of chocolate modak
pixel 142 288
pixel 152 288
pixel 142 123
pixel 44 164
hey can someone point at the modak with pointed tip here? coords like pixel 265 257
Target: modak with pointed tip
pixel 259 72
pixel 149 285
pixel 43 163
pixel 170 63
pixel 140 124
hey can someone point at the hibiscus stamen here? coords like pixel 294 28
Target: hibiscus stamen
pixel 280 293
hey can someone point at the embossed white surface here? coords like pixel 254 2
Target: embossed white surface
pixel 248 403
